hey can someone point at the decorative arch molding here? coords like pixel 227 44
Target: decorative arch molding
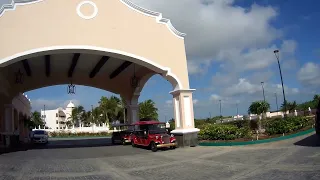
pixel 164 71
pixel 158 16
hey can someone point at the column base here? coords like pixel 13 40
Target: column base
pixel 186 137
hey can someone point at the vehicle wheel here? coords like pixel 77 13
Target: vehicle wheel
pixel 132 143
pixel 123 142
pixel 153 147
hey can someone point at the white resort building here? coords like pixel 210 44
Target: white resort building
pixel 55 119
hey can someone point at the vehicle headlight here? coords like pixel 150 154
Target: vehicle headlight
pixel 172 135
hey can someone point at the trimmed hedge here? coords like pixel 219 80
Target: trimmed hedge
pixel 223 132
pixel 291 124
pixel 80 134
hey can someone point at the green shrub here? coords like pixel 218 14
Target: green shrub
pixel 291 124
pixel 239 123
pixel 223 132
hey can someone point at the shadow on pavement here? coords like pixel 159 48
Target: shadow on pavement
pixel 57 144
pixel 310 141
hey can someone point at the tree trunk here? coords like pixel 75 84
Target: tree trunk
pixel 124 115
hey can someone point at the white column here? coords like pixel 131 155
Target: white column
pixel 183 111
pixel 133 113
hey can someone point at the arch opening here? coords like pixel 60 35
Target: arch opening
pixel 89 66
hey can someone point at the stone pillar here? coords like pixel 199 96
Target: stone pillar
pixel 133 113
pixel 9 118
pixel 133 108
pixel 185 132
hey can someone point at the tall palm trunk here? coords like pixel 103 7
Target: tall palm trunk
pixel 124 115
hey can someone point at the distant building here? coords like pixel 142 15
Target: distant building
pixel 55 119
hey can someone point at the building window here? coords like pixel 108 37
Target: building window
pixel 57 128
pixel 57 122
pixel 56 114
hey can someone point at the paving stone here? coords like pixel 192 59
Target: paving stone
pixel 286 175
pixel 98 177
pixel 127 162
pixel 59 166
pixel 251 156
pixel 304 156
pixel 124 162
pixel 188 171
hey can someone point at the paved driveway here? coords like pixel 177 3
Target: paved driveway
pixel 75 159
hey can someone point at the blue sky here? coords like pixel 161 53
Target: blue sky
pixel 229 48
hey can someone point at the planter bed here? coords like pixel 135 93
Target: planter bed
pixel 262 139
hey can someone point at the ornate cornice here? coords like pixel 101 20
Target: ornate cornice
pixel 13 4
pixel 157 15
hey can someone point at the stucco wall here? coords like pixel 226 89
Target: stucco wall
pixel 117 30
pixel 22 104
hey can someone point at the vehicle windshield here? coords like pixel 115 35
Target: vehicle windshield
pixel 157 128
pixel 39 132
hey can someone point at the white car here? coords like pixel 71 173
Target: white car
pixel 40 136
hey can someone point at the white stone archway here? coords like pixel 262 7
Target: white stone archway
pixel 95 43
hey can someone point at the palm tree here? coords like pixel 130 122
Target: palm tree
pixel 96 117
pixel 78 114
pixel 147 109
pixel 109 107
pixel 36 119
pixel 291 106
pixel 122 105
pixel 259 108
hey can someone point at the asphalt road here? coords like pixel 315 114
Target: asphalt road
pixel 295 159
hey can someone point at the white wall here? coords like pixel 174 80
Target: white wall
pixel 50 118
pixel 22 104
pixel 92 129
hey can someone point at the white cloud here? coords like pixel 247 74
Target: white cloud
pixel 216 28
pixel 289 46
pixel 309 74
pixel 215 97
pixel 247 91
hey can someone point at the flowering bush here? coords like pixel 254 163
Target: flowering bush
pixel 291 124
pixel 223 132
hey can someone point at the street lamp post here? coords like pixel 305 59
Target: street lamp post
pixel 276 52
pixel 220 111
pixel 264 97
pixel 276 101
pixel 237 109
pixel 92 113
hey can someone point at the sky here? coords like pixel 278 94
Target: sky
pixel 229 46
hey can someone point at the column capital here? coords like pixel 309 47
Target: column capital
pixel 175 92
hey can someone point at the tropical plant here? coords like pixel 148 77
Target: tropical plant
pixel 147 109
pixel 36 119
pixel 223 132
pixel 110 108
pixel 77 116
pixel 290 106
pixel 260 108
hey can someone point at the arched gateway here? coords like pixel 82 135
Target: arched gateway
pixel 109 44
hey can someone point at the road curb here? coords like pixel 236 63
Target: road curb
pixel 66 137
pixel 258 141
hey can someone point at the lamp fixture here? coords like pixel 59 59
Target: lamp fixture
pixel 71 88
pixel 19 77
